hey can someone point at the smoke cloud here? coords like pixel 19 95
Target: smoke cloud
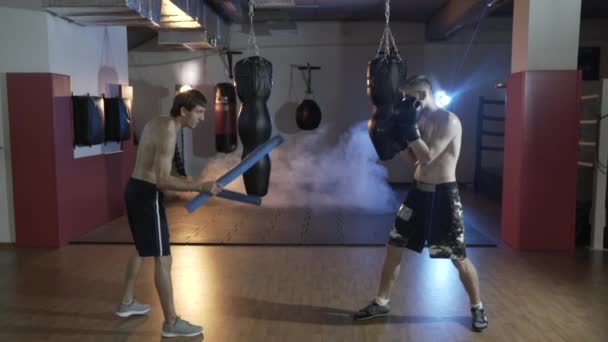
pixel 311 169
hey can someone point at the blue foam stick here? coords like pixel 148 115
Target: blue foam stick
pixel 237 196
pixel 247 163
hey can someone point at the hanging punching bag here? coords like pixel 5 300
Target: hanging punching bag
pixel 384 76
pixel 253 76
pixel 225 118
pixel 308 113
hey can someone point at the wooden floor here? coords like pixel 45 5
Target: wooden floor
pixel 303 294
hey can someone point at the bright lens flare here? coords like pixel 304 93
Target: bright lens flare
pixel 442 99
pixel 184 88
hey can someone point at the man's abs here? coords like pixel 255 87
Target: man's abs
pixel 144 165
pixel 440 170
pixel 434 175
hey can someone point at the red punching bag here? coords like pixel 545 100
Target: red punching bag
pixel 225 118
pixel 225 111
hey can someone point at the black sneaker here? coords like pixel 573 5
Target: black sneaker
pixel 372 310
pixel 479 319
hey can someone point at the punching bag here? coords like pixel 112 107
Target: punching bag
pixel 253 77
pixel 308 113
pixel 225 118
pixel 385 74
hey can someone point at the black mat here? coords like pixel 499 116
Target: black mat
pixel 246 225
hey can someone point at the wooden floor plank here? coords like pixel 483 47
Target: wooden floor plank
pixel 303 294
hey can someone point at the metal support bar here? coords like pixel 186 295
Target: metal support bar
pixel 588 122
pixel 494 102
pixel 493 134
pixel 492 118
pixel 589 97
pixel 492 148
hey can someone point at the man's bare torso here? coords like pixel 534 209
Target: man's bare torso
pixel 443 168
pixel 149 147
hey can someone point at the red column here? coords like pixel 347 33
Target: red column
pixel 58 198
pixel 30 107
pixel 540 160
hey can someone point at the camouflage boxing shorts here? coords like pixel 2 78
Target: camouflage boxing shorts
pixel 431 213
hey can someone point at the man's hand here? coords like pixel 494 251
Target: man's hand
pixel 407 120
pixel 211 187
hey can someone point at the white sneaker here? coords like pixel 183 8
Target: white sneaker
pixel 135 308
pixel 181 328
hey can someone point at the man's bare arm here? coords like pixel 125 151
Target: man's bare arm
pixel 426 152
pixel 409 156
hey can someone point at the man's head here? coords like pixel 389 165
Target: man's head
pixel 189 107
pixel 421 88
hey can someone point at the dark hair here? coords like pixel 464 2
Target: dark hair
pixel 418 81
pixel 188 99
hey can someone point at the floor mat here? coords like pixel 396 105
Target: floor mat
pixel 234 224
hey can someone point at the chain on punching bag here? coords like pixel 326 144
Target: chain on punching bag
pixel 253 78
pixel 385 73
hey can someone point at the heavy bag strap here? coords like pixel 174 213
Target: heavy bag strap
pixel 387 44
pixel 307 74
pixel 229 54
pixel 290 95
pixel 178 162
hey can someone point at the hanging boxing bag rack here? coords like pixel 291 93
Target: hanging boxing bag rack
pixel 229 53
pixel 308 75
pixel 599 164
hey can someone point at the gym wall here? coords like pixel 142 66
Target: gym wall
pixel 34 41
pixel 342 50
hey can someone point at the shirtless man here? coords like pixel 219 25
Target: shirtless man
pixel 145 209
pixel 432 211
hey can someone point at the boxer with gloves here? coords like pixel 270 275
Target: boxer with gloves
pixel 430 137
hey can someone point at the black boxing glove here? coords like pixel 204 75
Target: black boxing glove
pixel 408 113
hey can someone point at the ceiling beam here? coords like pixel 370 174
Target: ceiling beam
pixel 458 14
pixel 230 10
